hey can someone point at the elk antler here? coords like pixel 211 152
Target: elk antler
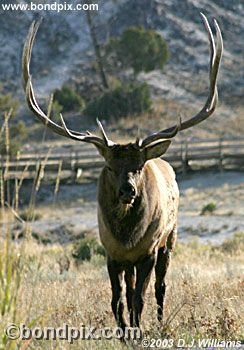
pixel 209 107
pixel 35 108
pixel 216 51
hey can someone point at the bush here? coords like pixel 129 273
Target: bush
pixel 7 102
pixel 139 49
pixel 17 134
pixel 68 99
pixel 208 208
pixel 56 109
pixel 13 149
pixel 129 99
pixel 86 248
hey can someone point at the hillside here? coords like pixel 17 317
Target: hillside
pixel 63 43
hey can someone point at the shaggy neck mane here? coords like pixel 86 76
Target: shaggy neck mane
pixel 121 210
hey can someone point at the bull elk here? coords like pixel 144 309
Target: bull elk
pixel 137 194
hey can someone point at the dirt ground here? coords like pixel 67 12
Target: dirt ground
pixel 73 213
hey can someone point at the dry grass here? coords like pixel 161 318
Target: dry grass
pixel 204 296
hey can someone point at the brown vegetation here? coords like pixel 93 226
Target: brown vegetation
pixel 204 300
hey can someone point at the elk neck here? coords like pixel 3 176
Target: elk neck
pixel 127 222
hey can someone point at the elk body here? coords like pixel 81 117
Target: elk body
pixel 137 195
pixel 137 214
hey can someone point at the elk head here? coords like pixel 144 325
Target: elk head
pixel 124 162
pixel 124 167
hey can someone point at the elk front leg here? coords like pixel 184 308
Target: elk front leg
pixel 130 280
pixel 143 272
pixel 115 271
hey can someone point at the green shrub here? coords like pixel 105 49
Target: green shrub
pixel 56 109
pixel 124 100
pixel 68 99
pixel 86 248
pixel 209 208
pixel 13 149
pixel 11 134
pixel 17 134
pixel 7 102
pixel 138 48
pixel 19 131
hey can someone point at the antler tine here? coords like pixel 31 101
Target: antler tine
pixel 211 42
pixel 160 136
pixel 104 136
pixel 216 51
pixel 27 51
pixel 32 102
pixel 85 138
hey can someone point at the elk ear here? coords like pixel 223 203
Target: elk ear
pixel 156 150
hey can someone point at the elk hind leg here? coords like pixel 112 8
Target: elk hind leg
pixel 144 268
pixel 161 267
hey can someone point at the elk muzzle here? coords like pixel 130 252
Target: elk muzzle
pixel 127 193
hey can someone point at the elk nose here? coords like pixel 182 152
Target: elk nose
pixel 127 193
